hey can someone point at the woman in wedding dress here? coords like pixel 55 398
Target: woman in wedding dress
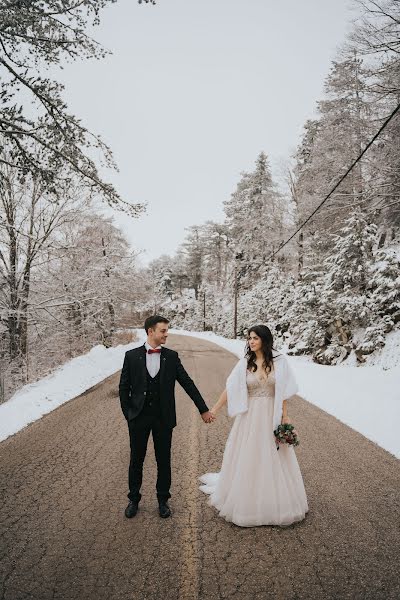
pixel 258 485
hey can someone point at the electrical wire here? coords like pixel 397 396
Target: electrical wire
pixel 338 183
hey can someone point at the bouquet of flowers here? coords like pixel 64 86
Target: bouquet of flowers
pixel 286 434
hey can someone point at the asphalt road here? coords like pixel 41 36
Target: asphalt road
pixel 63 487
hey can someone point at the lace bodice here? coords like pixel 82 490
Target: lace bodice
pixel 260 388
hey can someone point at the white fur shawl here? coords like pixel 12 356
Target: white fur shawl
pixel 236 387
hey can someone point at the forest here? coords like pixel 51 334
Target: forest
pixel 70 280
pixel 334 289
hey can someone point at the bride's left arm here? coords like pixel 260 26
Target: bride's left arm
pixel 285 417
pixel 221 401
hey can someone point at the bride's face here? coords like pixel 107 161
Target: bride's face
pixel 255 342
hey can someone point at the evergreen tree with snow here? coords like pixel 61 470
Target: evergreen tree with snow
pixel 194 257
pixel 268 301
pixel 384 287
pixel 307 314
pixel 351 257
pixel 332 142
pixel 255 220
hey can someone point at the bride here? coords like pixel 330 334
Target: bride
pixel 257 484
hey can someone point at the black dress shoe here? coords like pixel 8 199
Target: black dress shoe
pixel 164 510
pixel 131 509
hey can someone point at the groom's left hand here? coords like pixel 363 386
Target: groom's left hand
pixel 207 417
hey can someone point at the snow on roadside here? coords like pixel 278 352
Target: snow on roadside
pixel 68 381
pixel 366 398
pixel 234 346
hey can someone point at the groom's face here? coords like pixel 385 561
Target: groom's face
pixel 158 335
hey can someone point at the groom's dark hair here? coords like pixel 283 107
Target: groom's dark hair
pixel 152 322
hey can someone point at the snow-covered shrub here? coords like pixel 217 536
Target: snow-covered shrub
pixel 267 302
pixel 384 285
pixel 374 338
pixel 334 353
pixel 349 263
pixel 305 337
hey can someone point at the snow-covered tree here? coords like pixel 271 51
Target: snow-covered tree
pixel 268 301
pixel 384 287
pixel 349 263
pixel 30 219
pixel 331 143
pixel 43 137
pixel 255 220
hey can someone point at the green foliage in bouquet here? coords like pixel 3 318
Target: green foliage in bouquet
pixel 286 434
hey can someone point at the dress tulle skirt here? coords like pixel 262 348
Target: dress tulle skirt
pixel 257 484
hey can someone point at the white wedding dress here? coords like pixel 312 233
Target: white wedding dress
pixel 257 484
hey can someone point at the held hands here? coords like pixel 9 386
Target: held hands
pixel 211 415
pixel 208 417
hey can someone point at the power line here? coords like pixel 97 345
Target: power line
pixel 339 182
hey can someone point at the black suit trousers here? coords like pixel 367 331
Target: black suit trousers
pixel 139 431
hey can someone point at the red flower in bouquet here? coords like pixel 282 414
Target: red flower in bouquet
pixel 286 434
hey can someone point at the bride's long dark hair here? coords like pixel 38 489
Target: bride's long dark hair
pixel 263 332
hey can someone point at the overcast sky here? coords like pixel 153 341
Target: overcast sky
pixel 194 90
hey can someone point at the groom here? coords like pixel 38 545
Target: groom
pixel 146 391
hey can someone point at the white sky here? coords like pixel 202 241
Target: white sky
pixel 194 90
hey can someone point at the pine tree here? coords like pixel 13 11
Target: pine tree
pixel 384 176
pixel 194 254
pixel 331 143
pixel 255 217
pixel 351 257
pixel 384 287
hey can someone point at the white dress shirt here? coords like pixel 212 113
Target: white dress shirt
pixel 152 360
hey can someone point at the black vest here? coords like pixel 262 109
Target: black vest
pixel 152 403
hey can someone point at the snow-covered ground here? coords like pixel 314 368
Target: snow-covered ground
pixel 366 398
pixel 68 381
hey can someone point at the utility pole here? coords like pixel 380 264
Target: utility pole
pixel 204 310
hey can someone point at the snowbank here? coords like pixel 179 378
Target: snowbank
pixel 68 381
pixel 366 398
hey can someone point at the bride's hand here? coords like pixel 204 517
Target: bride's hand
pixel 213 411
pixel 285 420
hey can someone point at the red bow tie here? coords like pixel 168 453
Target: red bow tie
pixel 150 351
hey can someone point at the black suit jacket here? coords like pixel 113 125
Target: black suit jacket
pixel 133 384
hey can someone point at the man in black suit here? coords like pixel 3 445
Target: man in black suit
pixel 147 396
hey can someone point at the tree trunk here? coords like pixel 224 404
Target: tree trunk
pixel 301 253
